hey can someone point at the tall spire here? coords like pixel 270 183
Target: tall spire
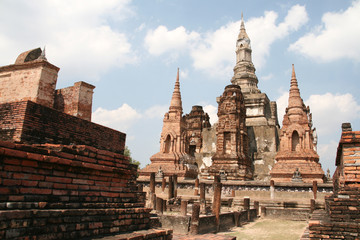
pixel 242 34
pixel 176 104
pixel 296 105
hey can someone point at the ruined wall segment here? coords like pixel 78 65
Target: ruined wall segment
pixel 341 220
pixel 297 156
pixel 33 80
pixel 75 100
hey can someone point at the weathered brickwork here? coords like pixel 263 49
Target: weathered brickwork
pixel 297 142
pixel 63 192
pixel 231 158
pixel 33 78
pixel 75 100
pixel 29 122
pixel 34 81
pixel 173 157
pixel 342 218
pixel 261 113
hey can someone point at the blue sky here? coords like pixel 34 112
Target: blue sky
pixel 130 50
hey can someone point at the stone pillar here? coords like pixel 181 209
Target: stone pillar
pixel 196 189
pixel 217 203
pixel 233 193
pixel 164 205
pixel 202 198
pixel 263 211
pixel 256 206
pixel 153 200
pixel 312 205
pixel 163 185
pixel 159 205
pixel 246 203
pixel 183 210
pixel 152 182
pixel 194 225
pixel 175 185
pixel 272 189
pixel 315 188
pixel 171 188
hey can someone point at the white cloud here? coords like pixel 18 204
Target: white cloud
pixel 264 31
pixel 156 111
pixel 267 77
pixel 162 40
pixel 212 112
pixel 120 119
pixel 338 37
pixel 341 108
pixel 331 110
pixel 77 36
pixel 184 74
pixel 215 54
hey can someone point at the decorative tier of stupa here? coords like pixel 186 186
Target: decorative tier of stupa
pixel 297 159
pixel 231 159
pixel 173 157
pixel 261 113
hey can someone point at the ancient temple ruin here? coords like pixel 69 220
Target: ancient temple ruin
pixel 297 159
pixel 340 219
pixel 61 176
pixel 231 159
pixel 173 157
pixel 261 113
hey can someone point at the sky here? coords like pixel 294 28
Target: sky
pixel 130 50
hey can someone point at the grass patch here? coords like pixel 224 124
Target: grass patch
pixel 270 229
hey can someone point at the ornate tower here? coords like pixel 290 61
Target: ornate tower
pixel 173 157
pixel 231 158
pixel 297 159
pixel 261 113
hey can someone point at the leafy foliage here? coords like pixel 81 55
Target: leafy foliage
pixel 127 153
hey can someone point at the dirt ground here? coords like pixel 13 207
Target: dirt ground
pixel 269 229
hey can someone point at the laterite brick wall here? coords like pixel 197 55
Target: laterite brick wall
pixel 67 192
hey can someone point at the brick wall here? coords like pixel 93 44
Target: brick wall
pixel 67 192
pixel 34 81
pixel 39 124
pixel 75 100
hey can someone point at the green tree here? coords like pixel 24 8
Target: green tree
pixel 127 153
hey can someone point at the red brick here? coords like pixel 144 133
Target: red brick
pixel 29 183
pixel 46 184
pixel 59 185
pixel 11 182
pixel 83 181
pixel 28 176
pixel 15 153
pixel 35 191
pixel 16 198
pixel 12 161
pixel 58 179
pixel 29 163
pixel 60 192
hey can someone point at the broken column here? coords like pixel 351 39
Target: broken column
pixel 171 188
pixel 163 185
pixel 217 202
pixel 194 225
pixel 272 189
pixel 159 205
pixel 196 189
pixel 183 209
pixel 175 185
pixel 152 195
pixel 315 188
pixel 202 198
pixel 256 206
